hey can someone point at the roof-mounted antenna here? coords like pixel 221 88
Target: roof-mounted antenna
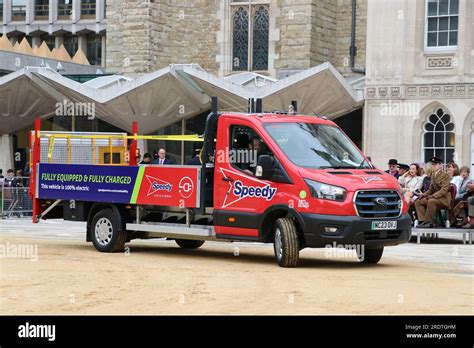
pixel 258 106
pixel 293 108
pixel 214 105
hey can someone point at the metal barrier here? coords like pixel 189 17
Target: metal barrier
pixel 15 199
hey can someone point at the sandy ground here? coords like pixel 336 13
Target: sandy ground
pixel 157 277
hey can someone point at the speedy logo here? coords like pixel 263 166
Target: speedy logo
pixel 243 191
pixel 368 179
pixel 238 190
pixel 157 185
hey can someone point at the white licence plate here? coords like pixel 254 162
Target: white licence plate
pixel 384 225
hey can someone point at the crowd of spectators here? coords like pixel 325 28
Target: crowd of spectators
pixel 429 190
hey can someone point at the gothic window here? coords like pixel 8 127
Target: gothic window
pixel 439 136
pixel 250 35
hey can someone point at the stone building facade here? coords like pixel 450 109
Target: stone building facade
pixel 420 81
pixel 146 36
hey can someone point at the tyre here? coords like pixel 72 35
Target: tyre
pixel 370 256
pixel 189 244
pixel 107 233
pixel 286 243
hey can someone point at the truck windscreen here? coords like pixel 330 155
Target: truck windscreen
pixel 316 146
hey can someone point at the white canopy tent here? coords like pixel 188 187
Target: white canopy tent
pixel 163 97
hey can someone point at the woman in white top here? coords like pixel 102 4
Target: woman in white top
pixel 410 182
pixel 453 171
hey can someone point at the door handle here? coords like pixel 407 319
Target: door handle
pixel 228 179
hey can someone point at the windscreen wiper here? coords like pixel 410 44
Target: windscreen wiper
pixel 365 160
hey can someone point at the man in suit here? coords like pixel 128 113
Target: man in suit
pixel 162 158
pixel 437 196
pixel 393 168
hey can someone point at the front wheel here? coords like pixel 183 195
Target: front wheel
pixel 286 244
pixel 370 256
pixel 189 244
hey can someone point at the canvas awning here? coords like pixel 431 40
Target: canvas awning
pixel 163 97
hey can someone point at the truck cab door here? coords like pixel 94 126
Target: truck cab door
pixel 240 197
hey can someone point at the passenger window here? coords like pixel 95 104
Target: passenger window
pixel 246 146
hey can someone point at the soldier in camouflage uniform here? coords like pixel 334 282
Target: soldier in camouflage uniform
pixel 437 196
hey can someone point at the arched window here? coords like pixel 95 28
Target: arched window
pixel 438 136
pixel 250 35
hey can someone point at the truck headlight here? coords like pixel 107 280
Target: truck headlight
pixel 325 191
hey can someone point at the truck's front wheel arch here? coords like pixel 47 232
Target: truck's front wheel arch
pixel 272 214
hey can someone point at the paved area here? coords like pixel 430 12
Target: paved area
pixel 447 249
pixel 67 275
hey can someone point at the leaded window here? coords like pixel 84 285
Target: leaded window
pixel 250 35
pixel 439 137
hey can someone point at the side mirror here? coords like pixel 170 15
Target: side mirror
pixel 265 167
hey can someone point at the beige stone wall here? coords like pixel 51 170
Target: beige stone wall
pixel 146 36
pixel 295 25
pixel 343 35
pixel 191 27
pixel 401 71
pixel 323 33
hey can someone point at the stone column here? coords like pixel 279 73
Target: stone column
pixel 104 41
pixel 53 11
pixel 30 11
pixel 58 41
pixel 76 10
pixel 7 11
pixel 6 152
pixel 35 41
pixel 82 43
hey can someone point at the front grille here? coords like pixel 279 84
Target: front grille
pixel 368 208
pixel 379 235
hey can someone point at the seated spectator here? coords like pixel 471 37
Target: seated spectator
pixel 146 159
pixel 403 169
pixel 410 182
pixel 437 196
pixel 393 168
pixel 453 171
pixel 470 202
pixel 426 177
pixel 462 183
pixel 460 214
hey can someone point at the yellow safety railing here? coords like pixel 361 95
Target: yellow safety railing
pixel 110 147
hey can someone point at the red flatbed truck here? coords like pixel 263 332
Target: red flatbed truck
pixel 308 185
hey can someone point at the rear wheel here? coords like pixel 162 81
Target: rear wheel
pixel 369 256
pixel 107 233
pixel 189 244
pixel 286 244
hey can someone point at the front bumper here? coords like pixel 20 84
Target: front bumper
pixel 353 230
